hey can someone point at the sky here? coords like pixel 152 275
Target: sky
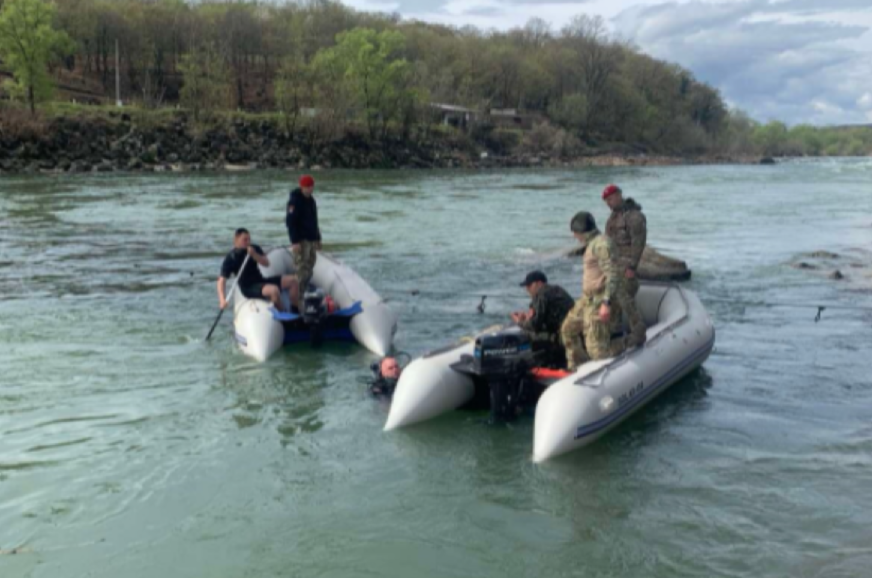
pixel 798 61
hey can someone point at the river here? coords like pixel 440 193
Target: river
pixel 131 448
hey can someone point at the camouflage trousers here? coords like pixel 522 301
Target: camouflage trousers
pixel 632 285
pixel 304 262
pixel 572 333
pixel 602 340
pixel 626 299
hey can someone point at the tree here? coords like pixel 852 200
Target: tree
pixel 596 60
pixel 375 74
pixel 28 41
pixel 206 80
pixel 770 137
pixel 290 85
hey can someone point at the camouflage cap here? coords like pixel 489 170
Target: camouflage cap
pixel 582 222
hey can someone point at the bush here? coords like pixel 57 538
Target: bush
pixel 16 123
pixel 500 141
pixel 546 139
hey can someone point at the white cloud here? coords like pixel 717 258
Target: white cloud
pixel 774 58
pixel 798 70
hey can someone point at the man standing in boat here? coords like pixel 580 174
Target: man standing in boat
pixel 628 228
pixel 595 318
pixel 251 281
pixel 548 309
pixel 301 219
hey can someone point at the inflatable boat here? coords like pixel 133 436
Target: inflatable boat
pixel 359 313
pixel 498 369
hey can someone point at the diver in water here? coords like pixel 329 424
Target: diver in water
pixel 386 374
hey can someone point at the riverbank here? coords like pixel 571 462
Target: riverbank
pixel 171 141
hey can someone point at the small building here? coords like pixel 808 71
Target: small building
pixel 512 118
pixel 453 115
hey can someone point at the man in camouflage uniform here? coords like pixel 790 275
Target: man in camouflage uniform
pixel 628 228
pixel 548 309
pixel 597 314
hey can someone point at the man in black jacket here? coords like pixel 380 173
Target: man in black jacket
pixel 301 219
pixel 251 281
pixel 547 311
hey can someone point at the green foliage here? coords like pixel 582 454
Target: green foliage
pixel 375 78
pixel 343 66
pixel 28 42
pixel 776 139
pixel 769 137
pixel 570 112
pixel 293 81
pixel 207 80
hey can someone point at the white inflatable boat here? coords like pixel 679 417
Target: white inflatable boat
pixel 362 315
pixel 574 409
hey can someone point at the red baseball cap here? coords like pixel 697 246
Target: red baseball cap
pixel 307 181
pixel 610 190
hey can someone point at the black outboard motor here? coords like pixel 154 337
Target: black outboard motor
pixel 314 312
pixel 502 360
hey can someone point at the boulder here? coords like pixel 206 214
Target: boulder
pixel 655 266
pixel 822 255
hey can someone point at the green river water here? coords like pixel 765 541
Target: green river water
pixel 131 448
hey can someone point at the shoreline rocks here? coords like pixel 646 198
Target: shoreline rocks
pixel 118 143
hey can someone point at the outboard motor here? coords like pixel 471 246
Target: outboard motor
pixel 314 312
pixel 502 360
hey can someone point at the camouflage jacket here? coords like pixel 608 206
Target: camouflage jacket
pixel 628 228
pixel 601 272
pixel 550 306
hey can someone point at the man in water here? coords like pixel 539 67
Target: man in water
pixel 388 375
pixel 251 281
pixel 301 219
pixel 548 309
pixel 596 316
pixel 628 228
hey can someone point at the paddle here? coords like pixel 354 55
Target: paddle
pixel 229 295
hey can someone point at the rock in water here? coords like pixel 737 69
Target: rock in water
pixel 836 275
pixel 654 266
pixel 822 255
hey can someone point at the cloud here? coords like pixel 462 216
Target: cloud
pixel 818 6
pixel 794 60
pixel 496 14
pixel 419 8
pixel 798 71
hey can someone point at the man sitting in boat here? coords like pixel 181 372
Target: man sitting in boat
pixel 597 315
pixel 251 281
pixel 548 309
